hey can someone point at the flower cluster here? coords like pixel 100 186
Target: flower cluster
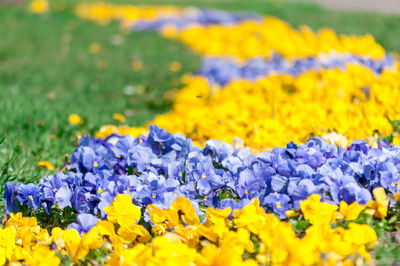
pixel 159 18
pixel 222 70
pixel 289 88
pixel 23 240
pixel 250 39
pixel 177 235
pixel 240 35
pixel 160 167
pixel 278 109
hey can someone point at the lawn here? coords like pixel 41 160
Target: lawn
pixel 48 72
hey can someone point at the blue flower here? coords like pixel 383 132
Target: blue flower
pixel 390 177
pixel 29 194
pixel 279 203
pixel 50 185
pixel 63 197
pixel 175 170
pixel 85 222
pixel 281 162
pixel 141 158
pixel 248 185
pixel 124 145
pixel 159 139
pixel 352 192
pixel 278 183
pixel 302 191
pixel 9 195
pixel 207 179
pixel 91 155
pixel 218 150
pixel 262 166
pixel 79 201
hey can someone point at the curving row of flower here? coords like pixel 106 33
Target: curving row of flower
pixel 274 91
pixel 158 168
pixel 278 109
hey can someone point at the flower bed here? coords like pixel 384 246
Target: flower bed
pixel 178 194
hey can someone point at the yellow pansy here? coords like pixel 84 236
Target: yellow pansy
pixel 352 211
pixel 122 211
pixel 381 202
pixel 39 6
pixel 46 164
pixel 75 119
pixel 119 118
pixel 318 212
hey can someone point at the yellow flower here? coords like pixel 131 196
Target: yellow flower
pixel 292 213
pixel 381 202
pixel 169 31
pixel 122 211
pixel 39 6
pixel 7 243
pixel 133 233
pixel 75 119
pixel 95 48
pixel 175 66
pixel 42 255
pixel 182 210
pixel 352 211
pixel 168 250
pixel 56 235
pixel 46 164
pixel 253 217
pixel 157 215
pixel 122 130
pixel 318 212
pixel 119 118
pixel 137 65
pixel 17 220
pixel 396 140
pixel 102 64
pixel 397 196
pixel 73 245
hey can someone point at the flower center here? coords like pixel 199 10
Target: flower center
pixel 246 191
pixel 203 176
pixel 278 204
pixel 30 196
pixel 153 196
pixel 95 164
